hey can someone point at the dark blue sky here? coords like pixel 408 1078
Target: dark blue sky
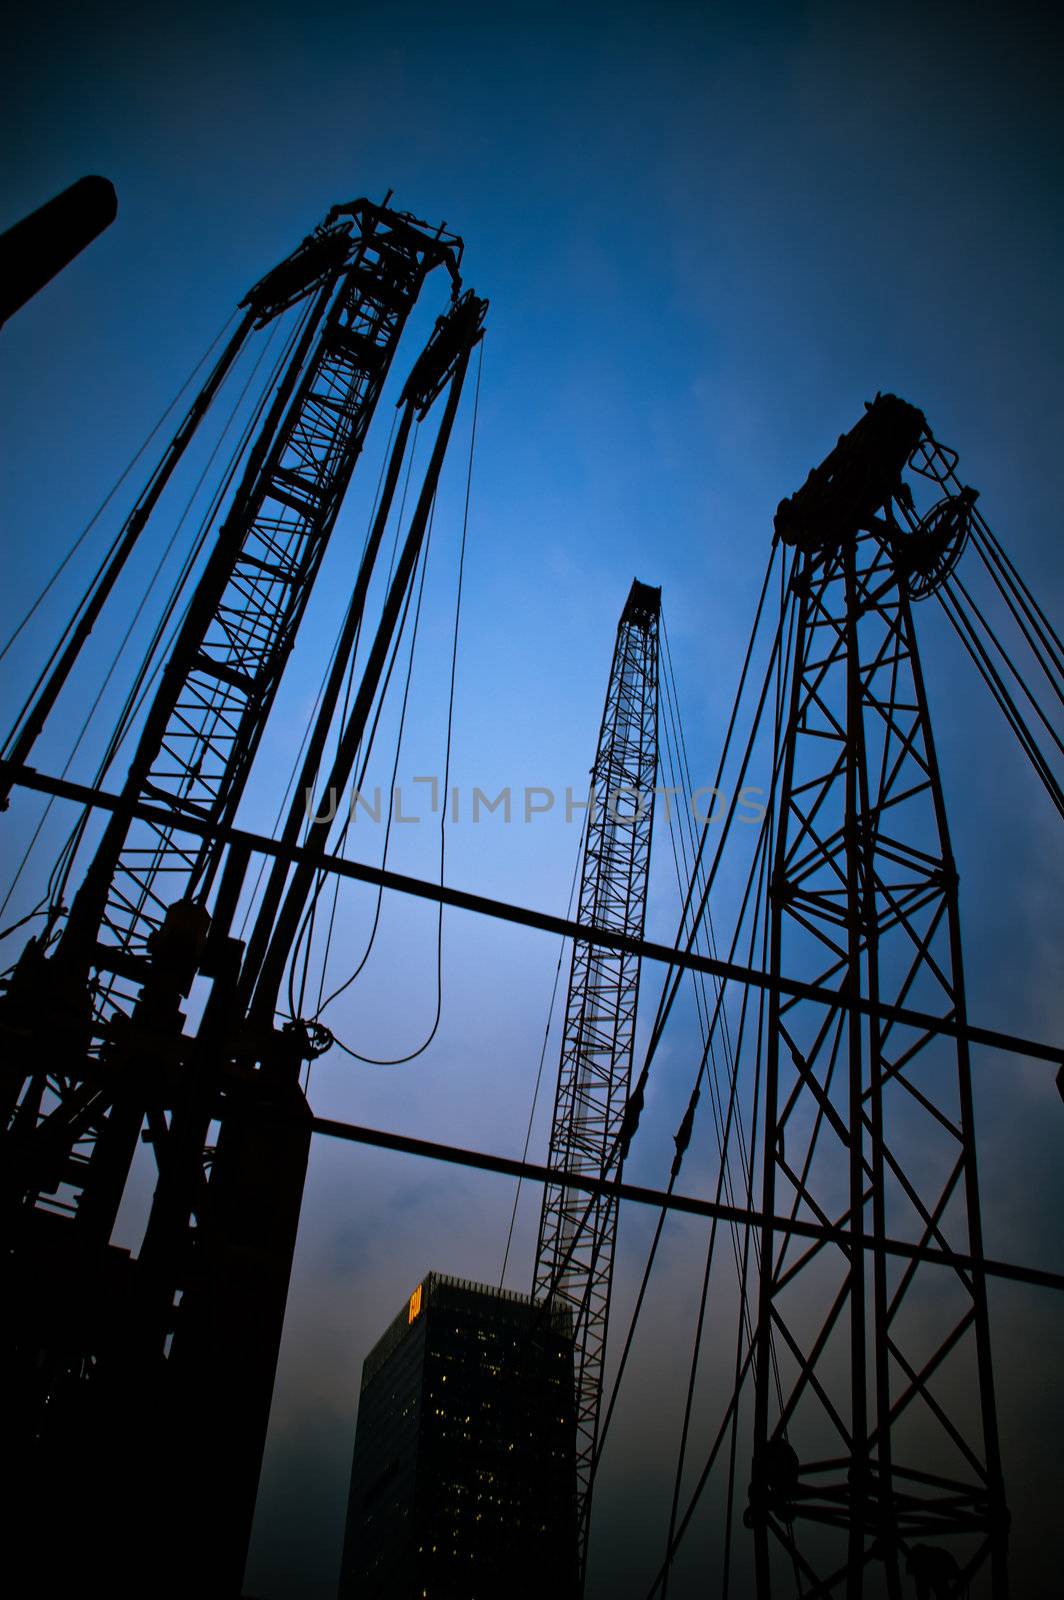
pixel 708 234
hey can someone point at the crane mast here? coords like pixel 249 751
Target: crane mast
pixel 886 1469
pixel 574 1254
pixel 137 1387
pixel 145 1381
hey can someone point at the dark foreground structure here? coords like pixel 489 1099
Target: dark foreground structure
pixel 463 1479
pixel 154 1128
pixel 42 244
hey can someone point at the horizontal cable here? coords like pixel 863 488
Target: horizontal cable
pixel 525 916
pixel 509 1167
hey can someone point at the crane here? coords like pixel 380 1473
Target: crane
pixel 577 1237
pixel 868 1120
pixel 138 1387
pixel 145 1381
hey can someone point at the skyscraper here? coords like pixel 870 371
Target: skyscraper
pixel 463 1480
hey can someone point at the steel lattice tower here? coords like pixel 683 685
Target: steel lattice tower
pixel 146 1381
pixel 875 1432
pixel 574 1257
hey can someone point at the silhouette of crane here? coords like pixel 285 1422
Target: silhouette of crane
pixel 577 1235
pixel 144 1382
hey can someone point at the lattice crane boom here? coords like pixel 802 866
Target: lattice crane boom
pixel 574 1255
pixel 875 1453
pixel 147 1379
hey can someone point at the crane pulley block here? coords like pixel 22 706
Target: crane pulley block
pixel 850 485
pixel 455 334
pixel 321 254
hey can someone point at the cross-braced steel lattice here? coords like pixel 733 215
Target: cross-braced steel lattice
pixel 875 1445
pixel 148 1376
pixel 203 730
pixel 574 1258
pixel 221 681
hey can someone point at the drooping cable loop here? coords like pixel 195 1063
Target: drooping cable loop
pixel 403 1060
pixel 364 755
pixel 305 935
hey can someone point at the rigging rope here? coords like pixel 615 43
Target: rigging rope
pixel 306 933
pixel 108 497
pixel 298 758
pixel 59 875
pixel 1009 577
pixel 365 751
pixel 412 1055
pixel 965 630
pixel 543 1048
pixel 159 646
pixel 956 584
pixel 744 1319
pixel 349 685
pixel 634 1108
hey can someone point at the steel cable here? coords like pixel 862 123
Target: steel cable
pixel 398 1061
pixel 108 497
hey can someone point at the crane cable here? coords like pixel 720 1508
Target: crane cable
pixel 305 934
pixel 744 1321
pixel 1043 657
pixel 304 938
pixel 104 503
pixel 546 1035
pixel 966 617
pixel 756 874
pixel 722 1122
pixel 160 645
pixel 633 1110
pixel 412 1055
pixel 366 750
pixel 683 1135
pixel 1008 580
pixel 688 852
pixel 1046 647
pixel 298 758
pixel 635 1100
pixel 1010 583
pixel 60 873
pixel 742 1257
pixel 965 629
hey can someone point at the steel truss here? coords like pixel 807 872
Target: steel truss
pixel 875 1452
pixel 145 1382
pixel 574 1256
pixel 870 1015
pixel 203 729
pixel 220 683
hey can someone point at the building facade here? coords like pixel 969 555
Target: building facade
pixel 463 1482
